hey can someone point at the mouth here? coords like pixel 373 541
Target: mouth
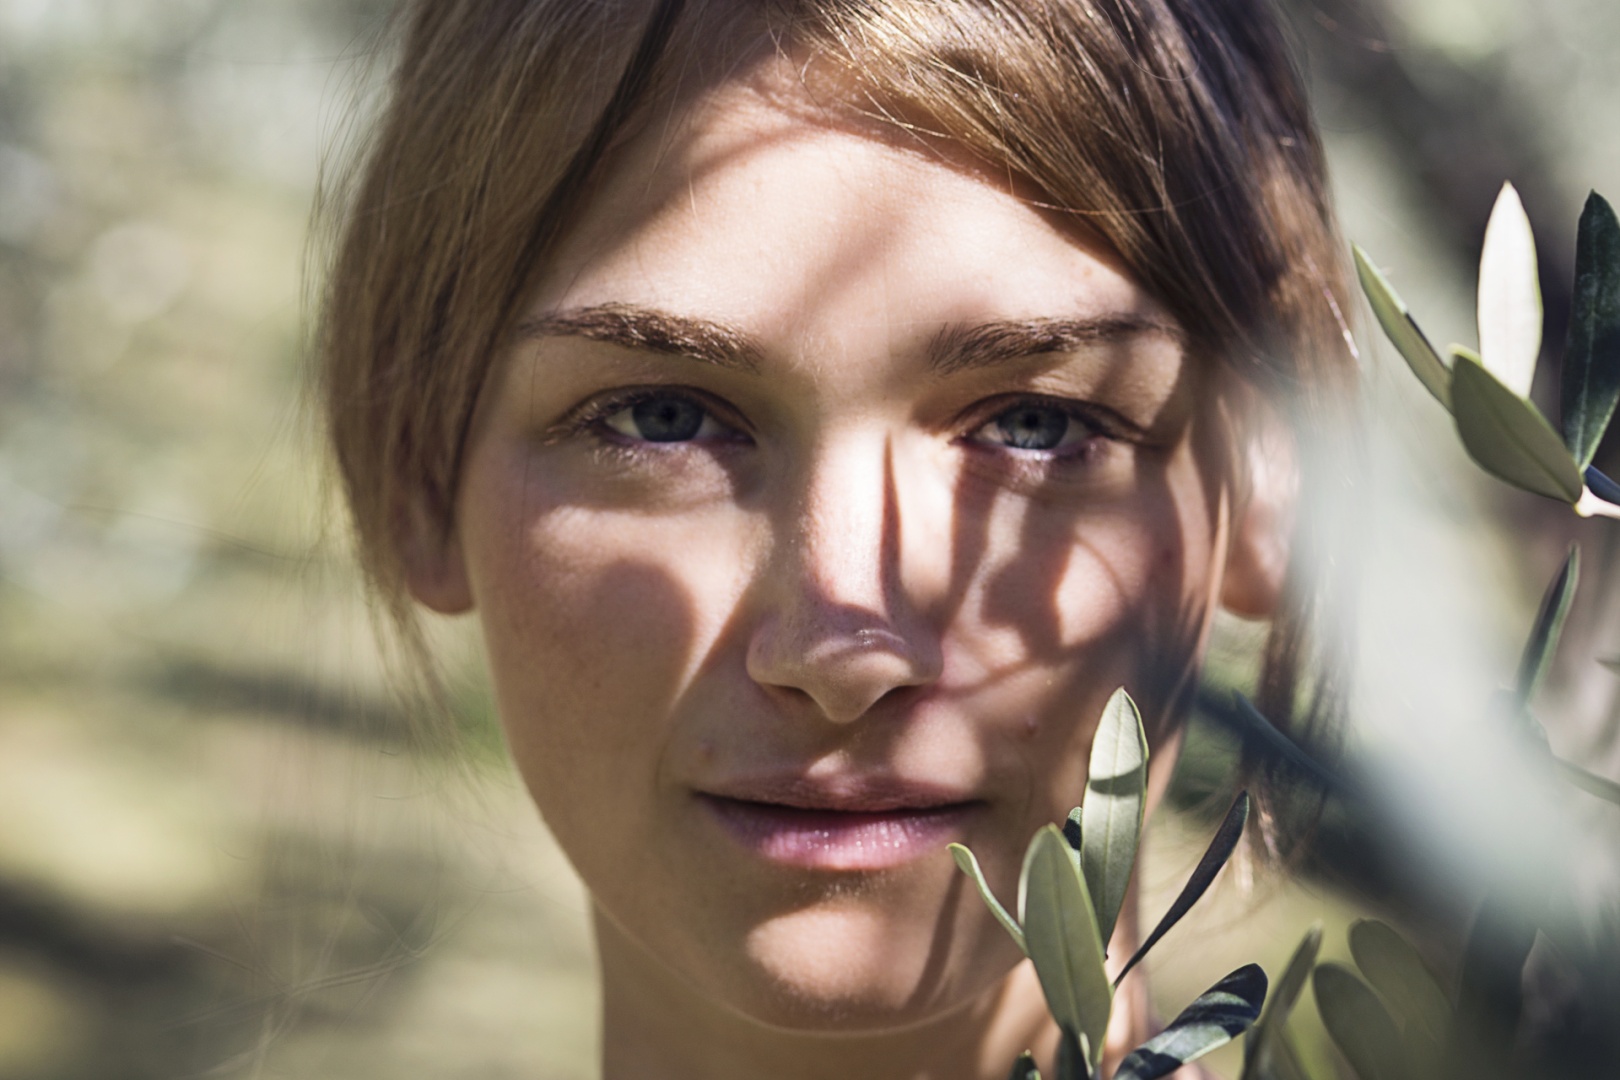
pixel 827 830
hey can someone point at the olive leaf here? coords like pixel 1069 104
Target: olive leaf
pixel 1607 790
pixel 1060 929
pixel 1071 1061
pixel 1591 384
pixel 1074 837
pixel 1548 627
pixel 1360 1025
pixel 1116 791
pixel 1397 972
pixel 1601 485
pixel 1284 1062
pixel 1507 436
pixel 1024 1068
pixel 1264 1041
pixel 1219 851
pixel 1510 296
pixel 1255 726
pixel 1072 832
pixel 1220 1014
pixel 1402 330
pixel 968 863
pixel 1490 987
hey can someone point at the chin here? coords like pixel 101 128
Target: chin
pixel 845 967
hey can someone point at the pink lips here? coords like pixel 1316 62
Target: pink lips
pixel 821 830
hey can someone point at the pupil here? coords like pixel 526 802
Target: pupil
pixel 1030 427
pixel 667 419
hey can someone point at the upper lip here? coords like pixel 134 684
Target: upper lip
pixel 850 793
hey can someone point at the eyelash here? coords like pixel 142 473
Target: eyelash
pixel 1099 427
pixel 591 417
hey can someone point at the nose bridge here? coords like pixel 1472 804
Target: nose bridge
pixel 838 628
pixel 848 541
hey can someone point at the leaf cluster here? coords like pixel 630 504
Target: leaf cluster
pixel 1070 892
pixel 1488 392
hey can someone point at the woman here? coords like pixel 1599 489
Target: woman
pixel 824 406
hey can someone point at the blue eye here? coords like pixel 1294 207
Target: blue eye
pixel 1035 426
pixel 663 418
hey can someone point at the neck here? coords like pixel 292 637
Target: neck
pixel 657 1027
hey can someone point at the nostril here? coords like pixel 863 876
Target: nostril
pixel 893 696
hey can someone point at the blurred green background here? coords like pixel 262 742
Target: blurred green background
pixel 215 856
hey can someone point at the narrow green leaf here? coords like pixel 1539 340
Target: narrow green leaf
pixel 1490 988
pixel 1071 1059
pixel 1402 330
pixel 1607 790
pixel 1359 1023
pixel 1060 928
pixel 1601 486
pixel 1507 436
pixel 1116 792
pixel 1285 1062
pixel 1024 1068
pixel 1512 715
pixel 1549 625
pixel 1265 1040
pixel 1219 1015
pixel 969 865
pixel 1510 296
pixel 1074 837
pixel 1592 361
pixel 1397 972
pixel 1255 726
pixel 1071 829
pixel 1220 849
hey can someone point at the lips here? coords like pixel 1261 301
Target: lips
pixel 840 825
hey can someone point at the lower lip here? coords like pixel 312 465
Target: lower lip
pixel 838 840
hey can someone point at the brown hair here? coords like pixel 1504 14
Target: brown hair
pixel 1176 131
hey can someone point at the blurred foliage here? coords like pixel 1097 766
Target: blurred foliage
pixel 1404 1025
pixel 209 859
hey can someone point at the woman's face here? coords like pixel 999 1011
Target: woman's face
pixel 830 492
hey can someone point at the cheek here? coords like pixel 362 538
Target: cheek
pixel 594 630
pixel 1139 566
pixel 1113 592
pixel 560 627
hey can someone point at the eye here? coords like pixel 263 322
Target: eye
pixel 1039 426
pixel 663 417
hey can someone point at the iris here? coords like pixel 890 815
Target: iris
pixel 1032 427
pixel 667 419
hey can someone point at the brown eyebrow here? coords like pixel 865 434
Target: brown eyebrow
pixel 953 349
pixel 963 348
pixel 658 331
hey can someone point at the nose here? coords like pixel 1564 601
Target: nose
pixel 837 626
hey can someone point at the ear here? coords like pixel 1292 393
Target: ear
pixel 1262 522
pixel 431 558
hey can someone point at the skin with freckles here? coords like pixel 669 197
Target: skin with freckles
pixel 828 493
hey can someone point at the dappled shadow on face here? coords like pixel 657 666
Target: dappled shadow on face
pixel 1006 609
pixel 1013 563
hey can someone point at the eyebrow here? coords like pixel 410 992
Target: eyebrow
pixel 657 331
pixel 954 349
pixel 965 348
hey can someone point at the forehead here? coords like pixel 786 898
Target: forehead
pixel 758 205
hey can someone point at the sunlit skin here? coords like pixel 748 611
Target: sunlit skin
pixel 829 491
